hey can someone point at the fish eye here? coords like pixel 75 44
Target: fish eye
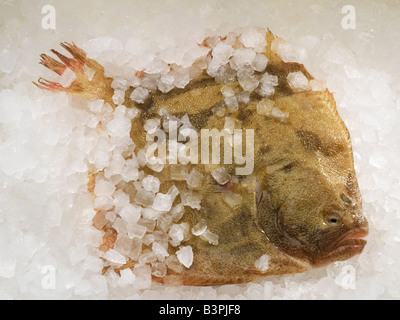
pixel 333 219
pixel 345 198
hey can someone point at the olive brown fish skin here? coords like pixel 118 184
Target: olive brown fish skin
pixel 301 206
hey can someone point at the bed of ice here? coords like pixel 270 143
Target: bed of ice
pixel 48 246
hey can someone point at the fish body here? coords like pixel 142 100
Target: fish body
pixel 299 207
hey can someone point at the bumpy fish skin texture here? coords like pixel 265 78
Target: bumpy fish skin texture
pixel 301 206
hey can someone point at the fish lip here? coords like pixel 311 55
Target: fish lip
pixel 350 244
pixel 354 235
pixel 351 241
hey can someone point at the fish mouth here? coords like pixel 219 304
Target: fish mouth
pixel 348 246
pixel 352 240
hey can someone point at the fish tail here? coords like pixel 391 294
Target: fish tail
pixel 90 82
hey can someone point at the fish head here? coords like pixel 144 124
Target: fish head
pixel 319 220
pixel 310 203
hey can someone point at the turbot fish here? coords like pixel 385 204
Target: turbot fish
pixel 298 206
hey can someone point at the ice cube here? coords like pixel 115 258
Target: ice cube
pixel 191 198
pixel 149 224
pixel 173 191
pixel 265 106
pixel 120 83
pixel 318 84
pixel 130 173
pixel 132 112
pixel 185 256
pixel 144 197
pixel 209 236
pixel 119 96
pixel 289 52
pixel 114 257
pixel 166 83
pixel 231 103
pixel 193 54
pixel 89 72
pixel 230 124
pixel 260 62
pixel 176 233
pixel 221 175
pixel 270 79
pixel 266 89
pixel 243 97
pixel 151 183
pixel 130 214
pixel 67 78
pixel 101 159
pixel 139 95
pixel 268 82
pixel 194 179
pixel 96 105
pixel 245 72
pixel 242 57
pixel 147 256
pixel 254 38
pixel 173 263
pixel 110 216
pixel 120 226
pixel 122 244
pixel 177 212
pixel 136 231
pixel 186 121
pixel 158 269
pixel 221 53
pixel 143 276
pixel 278 113
pixel 151 125
pixel 298 81
pixel 104 188
pixel 103 202
pixel 119 127
pixel 160 251
pixel 119 111
pixel 232 199
pixel 120 199
pixel 164 222
pixel 262 263
pixel 150 213
pixel 227 91
pixel 224 74
pixel 181 79
pixel 126 278
pixel 200 227
pixel 148 239
pixel 99 220
pixel 162 202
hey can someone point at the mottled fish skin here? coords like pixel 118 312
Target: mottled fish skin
pixel 301 206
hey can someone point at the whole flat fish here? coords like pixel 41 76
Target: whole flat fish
pixel 292 203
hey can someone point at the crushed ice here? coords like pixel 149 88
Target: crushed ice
pixel 149 224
